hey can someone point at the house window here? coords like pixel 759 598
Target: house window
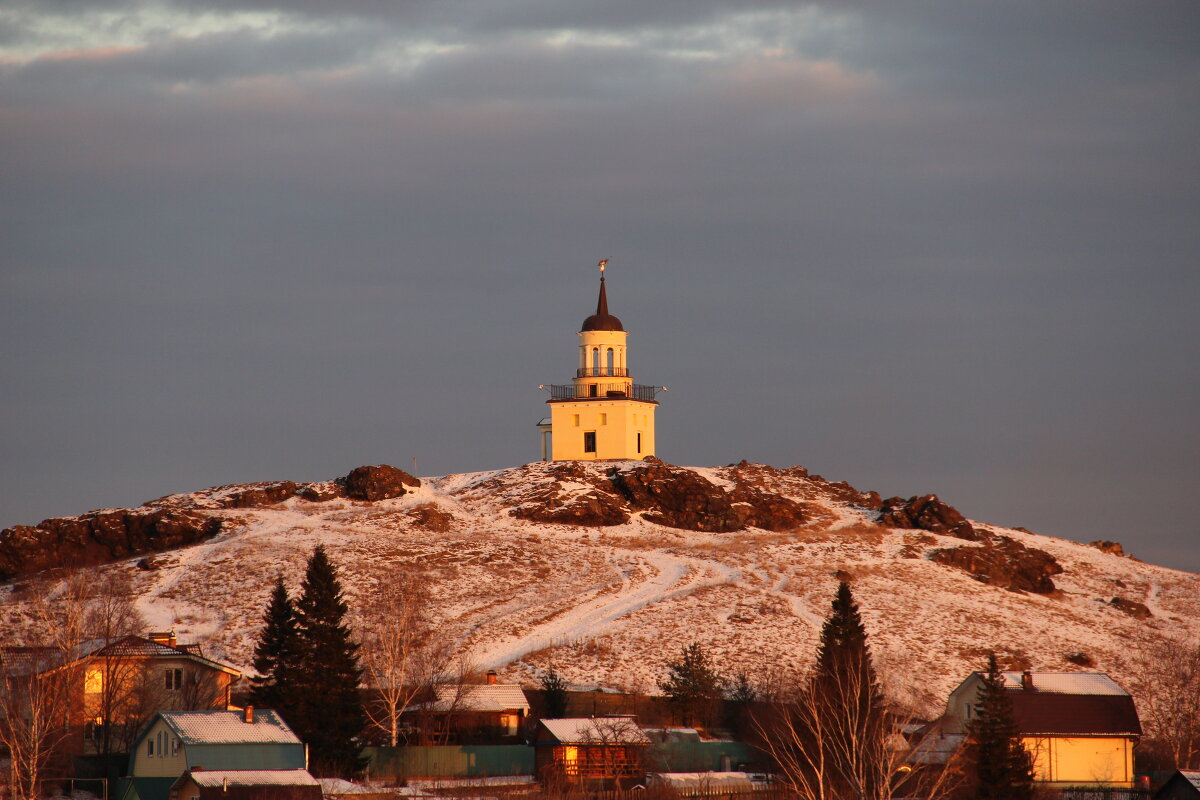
pixel 174 747
pixel 149 747
pixel 93 681
pixel 589 442
pixel 174 679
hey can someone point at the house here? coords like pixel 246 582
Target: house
pixel 1080 727
pixel 475 713
pixel 594 752
pixel 246 784
pixel 114 687
pixel 177 742
pixel 1183 785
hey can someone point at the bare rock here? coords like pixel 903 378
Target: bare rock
pixel 1106 546
pixel 431 517
pixel 1005 563
pixel 680 498
pixel 381 482
pixel 321 492
pixel 257 495
pixel 1131 607
pixel 99 537
pixel 927 513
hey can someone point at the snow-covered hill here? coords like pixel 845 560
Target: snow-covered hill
pixel 592 568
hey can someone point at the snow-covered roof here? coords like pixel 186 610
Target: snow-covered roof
pixel 253 777
pixel 936 748
pixel 485 697
pixel 1067 683
pixel 704 781
pixel 229 727
pixel 596 730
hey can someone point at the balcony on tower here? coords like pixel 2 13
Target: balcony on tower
pixel 601 391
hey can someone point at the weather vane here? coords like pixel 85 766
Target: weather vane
pixel 601 265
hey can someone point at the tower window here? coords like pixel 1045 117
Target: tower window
pixel 595 360
pixel 589 442
pixel 639 442
pixel 604 419
pixel 593 390
pixel 576 419
pixel 610 361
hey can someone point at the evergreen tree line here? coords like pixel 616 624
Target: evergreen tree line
pixel 308 668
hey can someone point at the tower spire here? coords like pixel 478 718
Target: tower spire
pixel 602 303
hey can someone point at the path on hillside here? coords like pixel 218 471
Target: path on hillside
pixel 674 576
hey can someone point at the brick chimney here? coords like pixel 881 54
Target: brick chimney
pixel 1027 681
pixel 164 637
pixel 248 714
pixel 491 677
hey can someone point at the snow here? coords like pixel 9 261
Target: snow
pixel 253 777
pixel 610 606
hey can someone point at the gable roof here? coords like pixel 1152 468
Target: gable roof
pixel 1075 714
pixel 596 730
pixel 227 727
pixel 22 660
pixel 484 697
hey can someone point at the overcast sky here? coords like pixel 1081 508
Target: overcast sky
pixel 937 246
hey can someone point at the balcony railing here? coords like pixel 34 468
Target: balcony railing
pixel 602 372
pixel 603 391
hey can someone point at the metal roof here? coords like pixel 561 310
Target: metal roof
pixel 253 777
pixel 596 730
pixel 229 727
pixel 484 697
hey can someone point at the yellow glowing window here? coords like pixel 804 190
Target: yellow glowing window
pixel 93 681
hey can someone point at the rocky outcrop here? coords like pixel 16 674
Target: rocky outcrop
pixel 99 537
pixel 1005 563
pixel 573 495
pixel 1113 548
pixel 927 513
pixel 258 495
pixel 381 482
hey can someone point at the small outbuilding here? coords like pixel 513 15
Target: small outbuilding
pixel 246 784
pixel 1183 785
pixel 593 752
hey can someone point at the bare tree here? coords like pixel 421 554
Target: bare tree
pixel 45 678
pixel 1165 684
pixel 827 748
pixel 402 653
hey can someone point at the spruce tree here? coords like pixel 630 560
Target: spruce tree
pixel 331 715
pixel 849 722
pixel 1002 764
pixel 555 697
pixel 277 655
pixel 693 685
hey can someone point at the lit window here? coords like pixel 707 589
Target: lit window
pixel 589 442
pixel 93 681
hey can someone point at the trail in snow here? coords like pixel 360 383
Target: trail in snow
pixel 676 576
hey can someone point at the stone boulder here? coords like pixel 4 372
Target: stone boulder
pixel 680 498
pixel 1105 546
pixel 1131 607
pixel 927 513
pixel 1005 563
pixel 257 495
pixel 381 482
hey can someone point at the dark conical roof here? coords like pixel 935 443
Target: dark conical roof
pixel 602 320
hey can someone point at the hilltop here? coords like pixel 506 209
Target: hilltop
pixel 605 570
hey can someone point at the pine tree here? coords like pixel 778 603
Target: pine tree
pixel 693 685
pixel 277 655
pixel 1003 766
pixel 330 714
pixel 556 694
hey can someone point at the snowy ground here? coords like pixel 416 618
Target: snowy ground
pixel 608 606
